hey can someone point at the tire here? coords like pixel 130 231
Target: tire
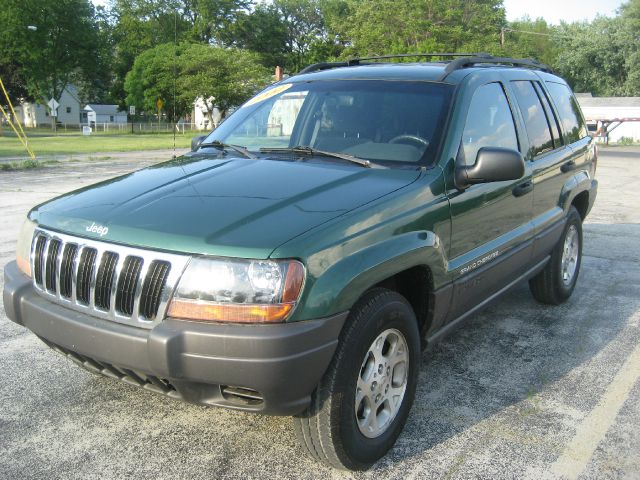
pixel 555 284
pixel 332 429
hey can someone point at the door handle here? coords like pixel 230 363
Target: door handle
pixel 522 189
pixel 569 166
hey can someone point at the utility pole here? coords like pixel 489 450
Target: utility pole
pixel 502 37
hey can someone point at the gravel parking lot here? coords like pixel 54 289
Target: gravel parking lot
pixel 521 391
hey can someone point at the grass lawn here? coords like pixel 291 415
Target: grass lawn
pixel 10 146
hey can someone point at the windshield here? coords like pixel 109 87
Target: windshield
pixel 378 120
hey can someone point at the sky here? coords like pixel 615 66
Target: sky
pixel 551 10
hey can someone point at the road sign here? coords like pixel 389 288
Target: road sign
pixel 53 105
pixel 132 110
pixel 160 104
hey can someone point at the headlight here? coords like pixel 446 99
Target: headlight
pixel 230 290
pixel 23 250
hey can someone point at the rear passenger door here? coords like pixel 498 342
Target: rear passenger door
pixel 554 134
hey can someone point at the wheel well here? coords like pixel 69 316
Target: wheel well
pixel 415 284
pixel 581 202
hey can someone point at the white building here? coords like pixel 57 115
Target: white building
pixel 32 114
pixel 610 110
pixel 93 114
pixel 201 117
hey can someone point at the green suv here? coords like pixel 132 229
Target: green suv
pixel 299 259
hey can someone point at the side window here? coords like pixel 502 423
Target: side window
pixel 569 111
pixel 489 122
pixel 551 116
pixel 538 131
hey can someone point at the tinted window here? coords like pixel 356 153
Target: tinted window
pixel 551 117
pixel 568 110
pixel 540 139
pixel 489 122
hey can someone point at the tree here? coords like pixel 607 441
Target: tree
pixel 66 45
pixel 211 18
pixel 289 33
pixel 138 25
pixel 262 31
pixel 179 75
pixel 528 38
pixel 304 27
pixel 376 27
pixel 153 78
pixel 228 76
pixel 601 57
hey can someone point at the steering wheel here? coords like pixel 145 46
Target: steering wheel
pixel 411 139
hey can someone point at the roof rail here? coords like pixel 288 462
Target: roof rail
pixel 357 61
pixel 464 62
pixel 461 60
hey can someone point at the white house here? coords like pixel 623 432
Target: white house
pixel 32 114
pixel 201 117
pixel 610 110
pixel 93 114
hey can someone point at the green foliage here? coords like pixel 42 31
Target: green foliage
pixel 228 76
pixel 376 27
pixel 260 31
pixel 526 38
pixel 602 57
pixel 178 75
pixel 66 46
pixel 124 51
pixel 152 78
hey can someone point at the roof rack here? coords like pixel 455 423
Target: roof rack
pixel 357 61
pixel 464 62
pixel 461 60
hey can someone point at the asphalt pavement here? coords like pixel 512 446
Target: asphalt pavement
pixel 520 391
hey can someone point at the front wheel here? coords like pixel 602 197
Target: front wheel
pixel 556 282
pixel 363 400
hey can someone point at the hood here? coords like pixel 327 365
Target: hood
pixel 230 207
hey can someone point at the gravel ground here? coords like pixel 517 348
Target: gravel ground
pixel 521 391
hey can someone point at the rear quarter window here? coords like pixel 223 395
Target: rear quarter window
pixel 538 131
pixel 569 112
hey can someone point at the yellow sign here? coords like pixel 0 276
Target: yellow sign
pixel 268 94
pixel 159 104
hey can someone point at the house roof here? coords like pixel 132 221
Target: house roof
pixel 104 109
pixel 608 102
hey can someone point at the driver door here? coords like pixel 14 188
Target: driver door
pixel 491 222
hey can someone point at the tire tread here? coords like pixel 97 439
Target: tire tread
pixel 313 427
pixel 545 286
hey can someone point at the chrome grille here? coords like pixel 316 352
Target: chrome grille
pixel 123 284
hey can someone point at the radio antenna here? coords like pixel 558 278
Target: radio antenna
pixel 175 68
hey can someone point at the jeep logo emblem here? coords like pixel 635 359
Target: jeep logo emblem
pixel 99 229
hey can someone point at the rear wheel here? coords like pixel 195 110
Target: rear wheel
pixel 556 282
pixel 364 398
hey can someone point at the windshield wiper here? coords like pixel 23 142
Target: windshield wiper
pixel 226 146
pixel 312 151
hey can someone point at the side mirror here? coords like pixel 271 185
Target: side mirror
pixel 196 141
pixel 493 164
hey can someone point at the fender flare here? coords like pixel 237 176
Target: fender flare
pixel 338 288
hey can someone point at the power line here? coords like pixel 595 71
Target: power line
pixel 536 33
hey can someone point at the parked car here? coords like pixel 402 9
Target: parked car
pixel 302 256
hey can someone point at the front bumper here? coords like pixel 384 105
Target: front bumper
pixel 206 363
